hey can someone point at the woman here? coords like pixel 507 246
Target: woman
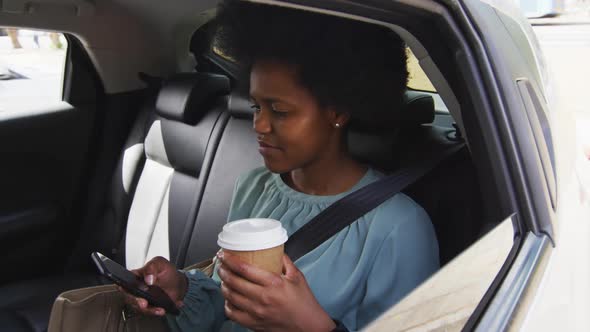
pixel 311 78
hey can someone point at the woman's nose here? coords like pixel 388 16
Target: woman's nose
pixel 262 122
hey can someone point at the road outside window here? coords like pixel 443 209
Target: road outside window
pixel 32 67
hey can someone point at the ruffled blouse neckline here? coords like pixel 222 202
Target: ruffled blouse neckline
pixel 370 176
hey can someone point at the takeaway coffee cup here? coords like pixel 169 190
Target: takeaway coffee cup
pixel 257 241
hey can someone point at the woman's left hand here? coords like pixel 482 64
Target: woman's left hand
pixel 265 301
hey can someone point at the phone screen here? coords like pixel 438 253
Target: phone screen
pixel 133 284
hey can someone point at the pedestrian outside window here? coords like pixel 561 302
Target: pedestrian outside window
pixel 32 66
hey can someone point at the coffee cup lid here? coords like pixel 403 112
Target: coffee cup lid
pixel 252 234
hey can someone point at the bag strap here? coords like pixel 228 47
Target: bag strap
pixel 353 206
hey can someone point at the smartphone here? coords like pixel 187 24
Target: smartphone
pixel 133 284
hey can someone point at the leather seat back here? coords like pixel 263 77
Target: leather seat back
pixel 236 154
pixel 175 148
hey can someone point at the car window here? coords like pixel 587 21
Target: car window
pixel 417 79
pixel 32 66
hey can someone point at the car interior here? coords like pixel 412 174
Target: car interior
pixel 140 159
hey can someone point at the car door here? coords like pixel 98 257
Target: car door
pixel 48 109
pixel 533 266
pixel 546 286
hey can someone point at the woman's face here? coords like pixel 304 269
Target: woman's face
pixel 292 130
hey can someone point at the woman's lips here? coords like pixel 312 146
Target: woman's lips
pixel 266 149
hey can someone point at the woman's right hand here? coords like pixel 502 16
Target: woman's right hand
pixel 158 272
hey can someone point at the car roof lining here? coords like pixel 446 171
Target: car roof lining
pixel 138 30
pixel 117 60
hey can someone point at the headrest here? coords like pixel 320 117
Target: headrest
pixel 184 97
pixel 377 147
pixel 239 105
pixel 418 109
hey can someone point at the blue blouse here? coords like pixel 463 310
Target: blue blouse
pixel 355 275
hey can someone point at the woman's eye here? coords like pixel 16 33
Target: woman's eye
pixel 279 112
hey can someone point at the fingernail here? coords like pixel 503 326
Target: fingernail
pixel 160 311
pixel 226 307
pixel 220 254
pixel 149 279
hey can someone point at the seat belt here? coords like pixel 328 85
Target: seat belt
pixel 353 206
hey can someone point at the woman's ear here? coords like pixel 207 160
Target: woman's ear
pixel 342 119
pixel 339 119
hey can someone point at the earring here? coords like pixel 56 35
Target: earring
pixel 337 125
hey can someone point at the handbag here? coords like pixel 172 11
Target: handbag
pixel 103 309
